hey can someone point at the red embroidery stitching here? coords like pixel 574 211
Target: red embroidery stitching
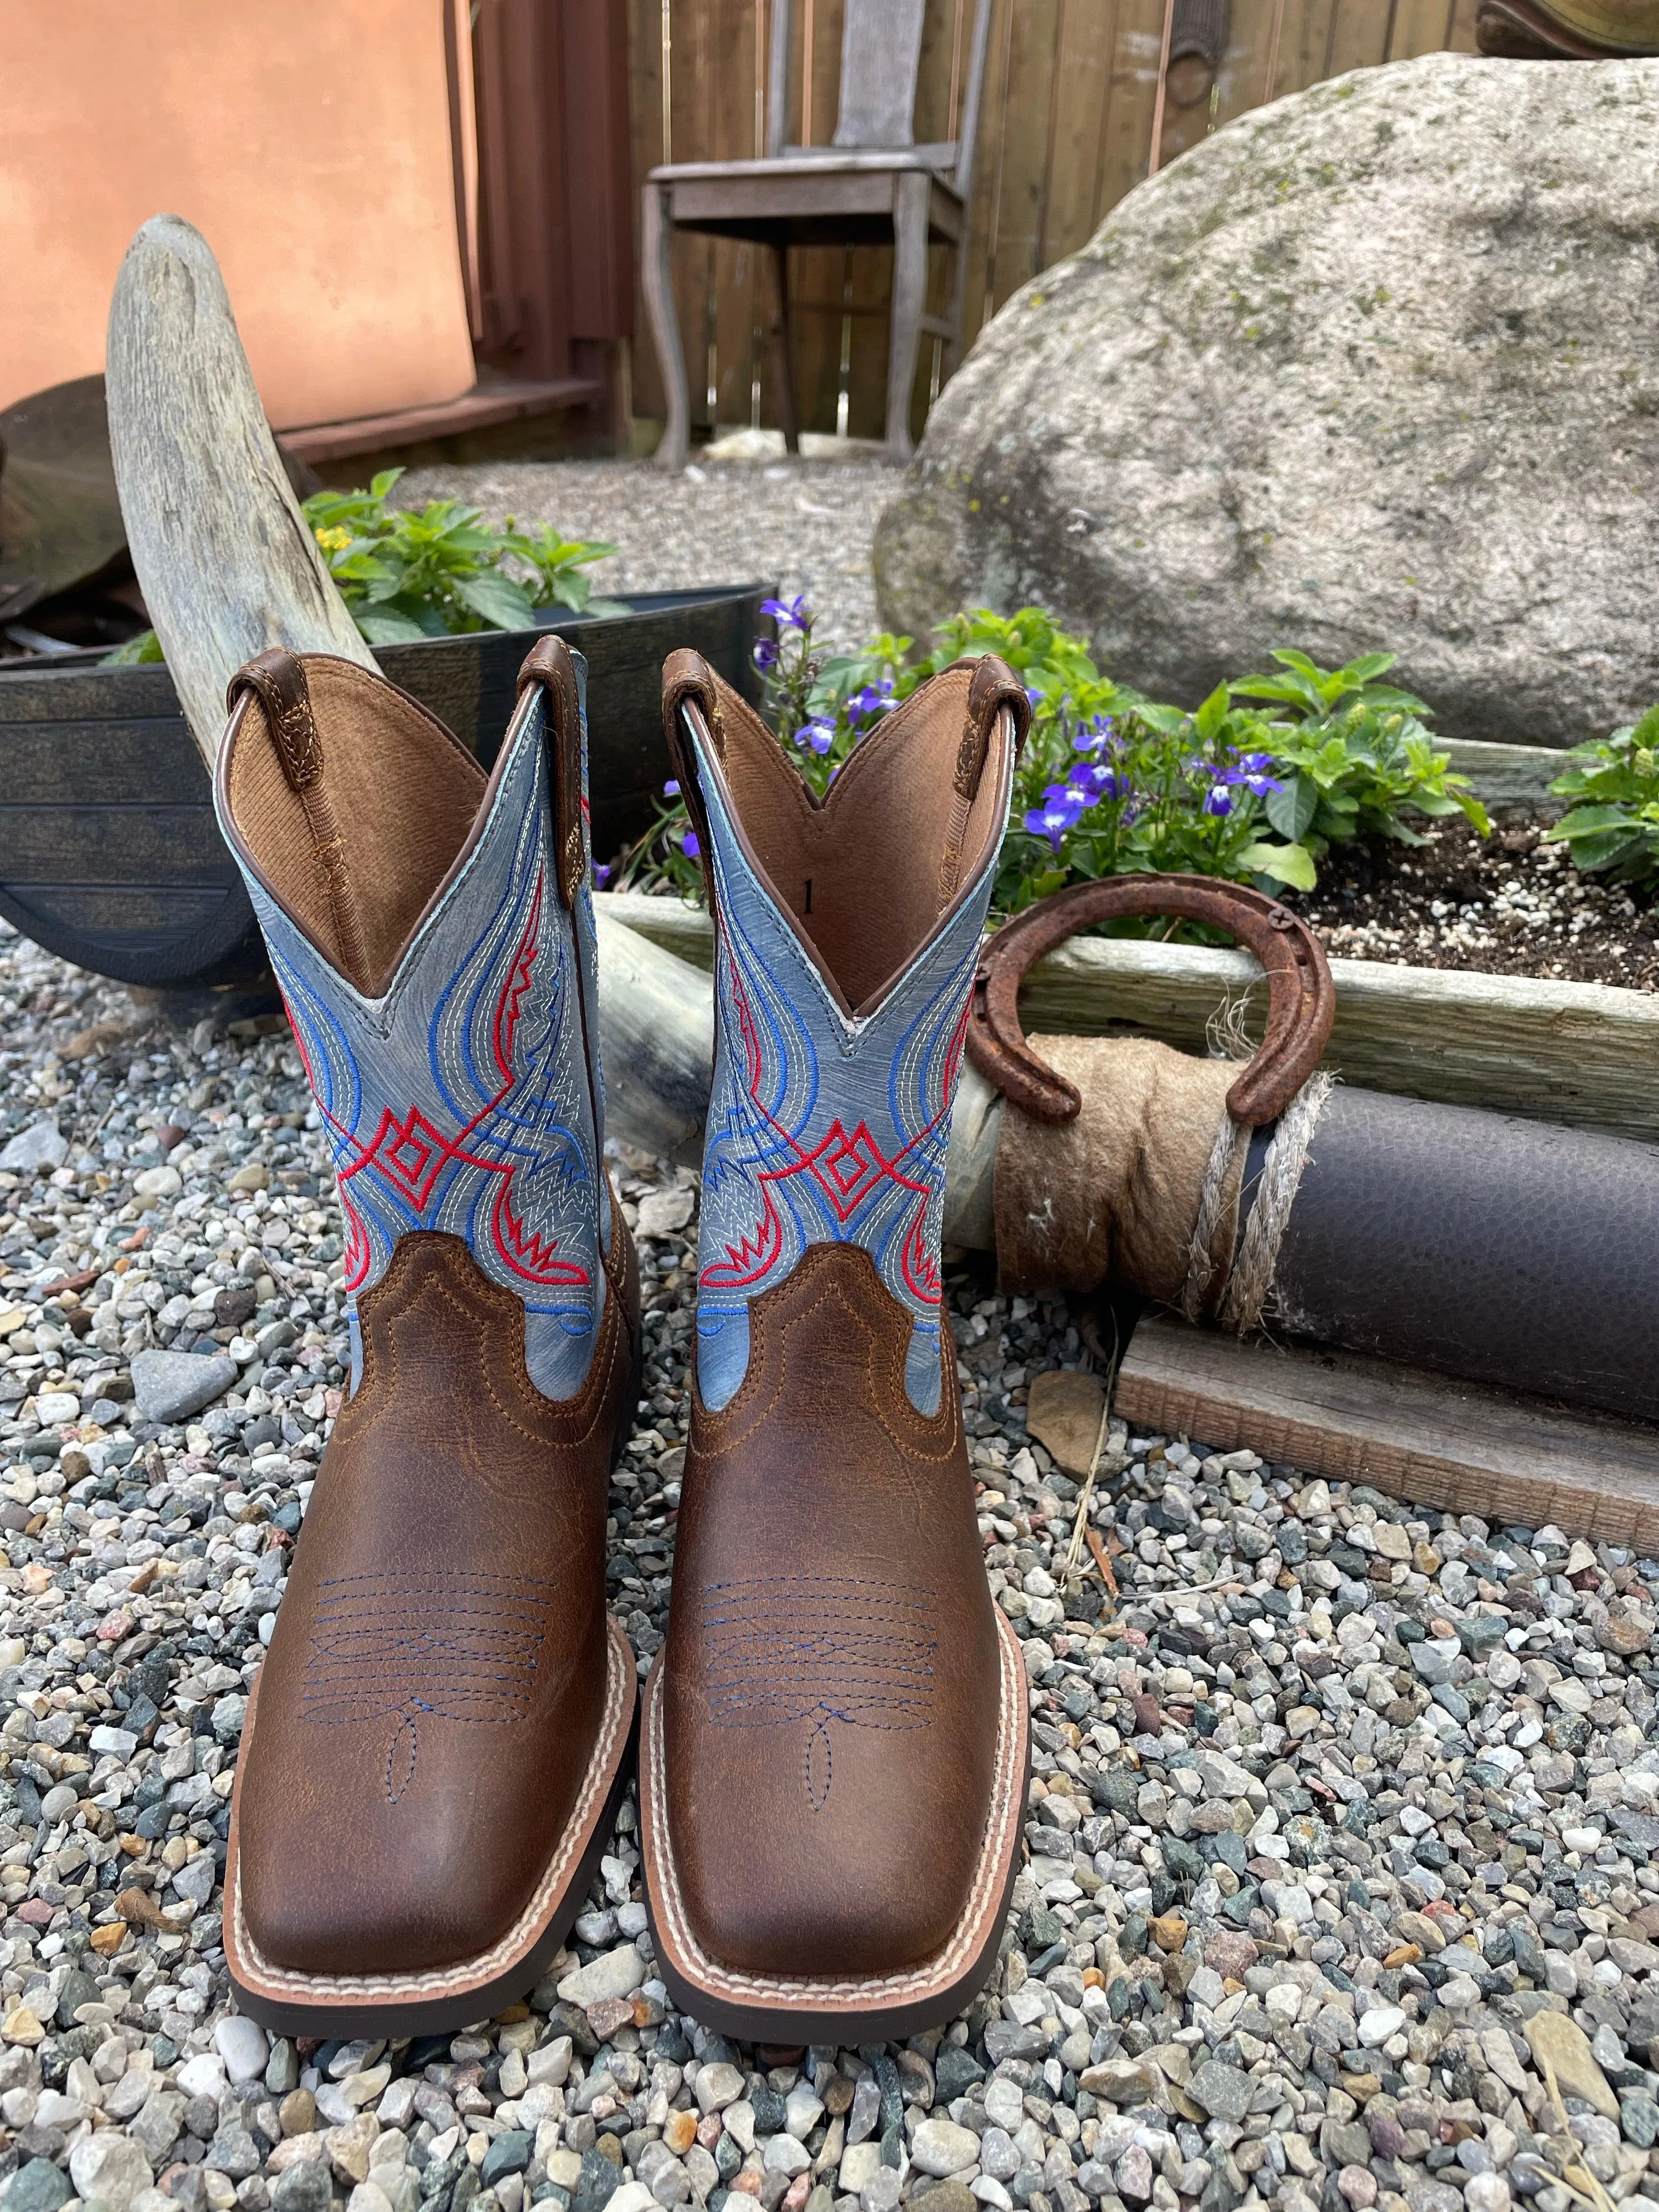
pixel 411 1154
pixel 846 1168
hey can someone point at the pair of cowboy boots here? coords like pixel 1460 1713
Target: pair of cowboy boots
pixel 833 1747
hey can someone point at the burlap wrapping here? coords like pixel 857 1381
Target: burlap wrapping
pixel 1117 1190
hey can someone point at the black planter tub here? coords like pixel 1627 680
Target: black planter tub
pixel 109 852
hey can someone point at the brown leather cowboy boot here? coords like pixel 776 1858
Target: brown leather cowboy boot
pixel 436 1746
pixel 835 1739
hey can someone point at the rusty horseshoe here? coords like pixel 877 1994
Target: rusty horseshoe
pixel 1301 999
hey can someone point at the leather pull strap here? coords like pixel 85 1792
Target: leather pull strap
pixel 279 678
pixel 687 676
pixel 992 687
pixel 549 664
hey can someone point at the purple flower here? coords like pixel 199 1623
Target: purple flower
pixel 601 873
pixel 788 614
pixel 766 652
pixel 691 845
pixel 1036 698
pixel 1098 782
pixel 874 699
pixel 1252 773
pixel 1218 799
pixel 1061 804
pixel 1095 736
pixel 819 736
pixel 670 789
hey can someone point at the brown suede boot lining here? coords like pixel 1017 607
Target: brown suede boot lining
pixel 862 872
pixel 403 791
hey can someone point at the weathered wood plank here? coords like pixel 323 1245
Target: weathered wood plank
pixel 111 914
pixel 1584 1054
pixel 32 691
pixel 731 76
pixel 1421 26
pixel 168 844
pixel 869 272
pixel 1456 1446
pixel 225 558
pixel 1304 44
pixel 1358 30
pixel 820 274
pixel 1027 152
pixel 1127 139
pixel 1508 776
pixel 645 106
pixel 1082 108
pixel 1064 132
pixel 92 763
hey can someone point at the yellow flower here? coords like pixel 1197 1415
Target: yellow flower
pixel 334 540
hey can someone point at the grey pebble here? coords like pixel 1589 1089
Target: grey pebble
pixel 171 1386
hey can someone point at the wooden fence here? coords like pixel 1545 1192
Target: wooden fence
pixel 1066 132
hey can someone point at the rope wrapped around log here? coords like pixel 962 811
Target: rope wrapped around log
pixel 1498 1250
pixel 1144 1185
pixel 1492 1248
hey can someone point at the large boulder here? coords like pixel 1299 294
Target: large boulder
pixel 1377 366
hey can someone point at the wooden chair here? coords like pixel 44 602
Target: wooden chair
pixel 871 186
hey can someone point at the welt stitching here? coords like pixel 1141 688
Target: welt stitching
pixel 502 1954
pixel 1004 1806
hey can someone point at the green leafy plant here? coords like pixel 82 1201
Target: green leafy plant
pixel 1255 784
pixel 437 572
pixel 1614 829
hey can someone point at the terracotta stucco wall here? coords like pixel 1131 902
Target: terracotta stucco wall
pixel 308 140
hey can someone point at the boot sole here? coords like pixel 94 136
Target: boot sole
pixel 851 2009
pixel 433 2002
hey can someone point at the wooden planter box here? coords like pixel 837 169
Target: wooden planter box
pixel 110 856
pixel 1584 1054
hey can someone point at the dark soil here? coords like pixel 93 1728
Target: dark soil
pixel 1508 904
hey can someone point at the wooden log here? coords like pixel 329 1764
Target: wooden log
pixel 1584 1054
pixel 1456 1446
pixel 1508 778
pixel 657 1037
pixel 226 561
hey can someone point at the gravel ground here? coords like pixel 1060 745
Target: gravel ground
pixel 805 525
pixel 1338 1892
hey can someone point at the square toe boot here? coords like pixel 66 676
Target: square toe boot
pixel 834 1745
pixel 434 1752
